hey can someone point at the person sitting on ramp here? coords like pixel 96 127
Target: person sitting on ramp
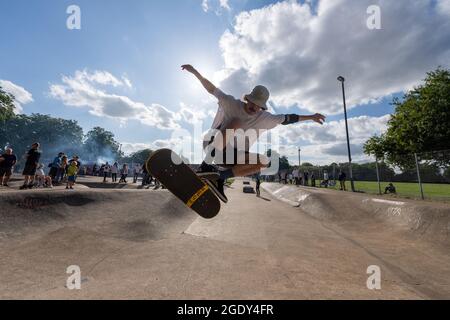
pixel 235 114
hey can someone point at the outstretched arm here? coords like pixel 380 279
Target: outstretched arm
pixel 294 118
pixel 205 82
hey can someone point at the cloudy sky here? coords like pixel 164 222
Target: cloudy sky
pixel 121 70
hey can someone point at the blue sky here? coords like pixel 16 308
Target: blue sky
pixel 145 42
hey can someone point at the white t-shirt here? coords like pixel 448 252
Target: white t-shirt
pixel 231 108
pixel 114 169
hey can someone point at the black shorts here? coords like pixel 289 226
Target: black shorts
pixel 30 170
pixel 5 172
pixel 231 157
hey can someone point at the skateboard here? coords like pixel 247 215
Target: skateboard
pixel 166 166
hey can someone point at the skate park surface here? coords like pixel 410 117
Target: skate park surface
pixel 292 243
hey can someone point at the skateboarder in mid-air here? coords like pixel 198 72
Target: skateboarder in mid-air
pixel 234 114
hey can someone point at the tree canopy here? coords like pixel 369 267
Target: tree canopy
pixel 6 105
pixel 57 135
pixel 100 143
pixel 420 124
pixel 138 157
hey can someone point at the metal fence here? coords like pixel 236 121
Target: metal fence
pixel 424 176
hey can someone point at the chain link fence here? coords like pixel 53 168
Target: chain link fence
pixel 424 176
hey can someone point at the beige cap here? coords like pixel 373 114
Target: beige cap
pixel 259 96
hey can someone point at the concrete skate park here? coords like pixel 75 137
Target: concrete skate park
pixel 292 243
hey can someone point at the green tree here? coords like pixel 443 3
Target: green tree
pixel 307 164
pixel 138 157
pixel 283 160
pixel 419 124
pixel 6 105
pixel 54 134
pixel 447 175
pixel 100 143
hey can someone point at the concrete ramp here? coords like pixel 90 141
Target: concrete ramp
pixel 420 220
pixel 135 244
pixel 131 215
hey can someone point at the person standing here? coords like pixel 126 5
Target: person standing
pixel 313 180
pixel 63 170
pixel 342 178
pixel 56 165
pixel 295 176
pixel 145 175
pixel 32 161
pixel 114 172
pixel 136 172
pixel 7 163
pixel 306 177
pixel 258 186
pixel 106 170
pixel 325 179
pixel 124 174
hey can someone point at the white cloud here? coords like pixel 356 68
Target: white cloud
pixel 127 82
pixel 298 52
pixel 360 128
pixel 216 5
pixel 84 90
pixel 21 95
pixel 130 147
pixel 327 143
pixel 205 5
pixel 444 6
pixel 224 4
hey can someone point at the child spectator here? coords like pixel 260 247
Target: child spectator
pixel 43 181
pixel 72 171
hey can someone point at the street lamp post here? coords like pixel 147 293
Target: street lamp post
pixel 342 80
pixel 299 158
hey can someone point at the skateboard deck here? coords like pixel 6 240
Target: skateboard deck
pixel 166 166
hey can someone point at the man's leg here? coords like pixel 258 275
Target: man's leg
pixel 6 178
pixel 237 170
pixel 25 182
pixel 32 179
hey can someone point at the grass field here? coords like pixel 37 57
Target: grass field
pixel 408 190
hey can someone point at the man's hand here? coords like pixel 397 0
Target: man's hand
pixel 205 82
pixel 188 68
pixel 319 118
